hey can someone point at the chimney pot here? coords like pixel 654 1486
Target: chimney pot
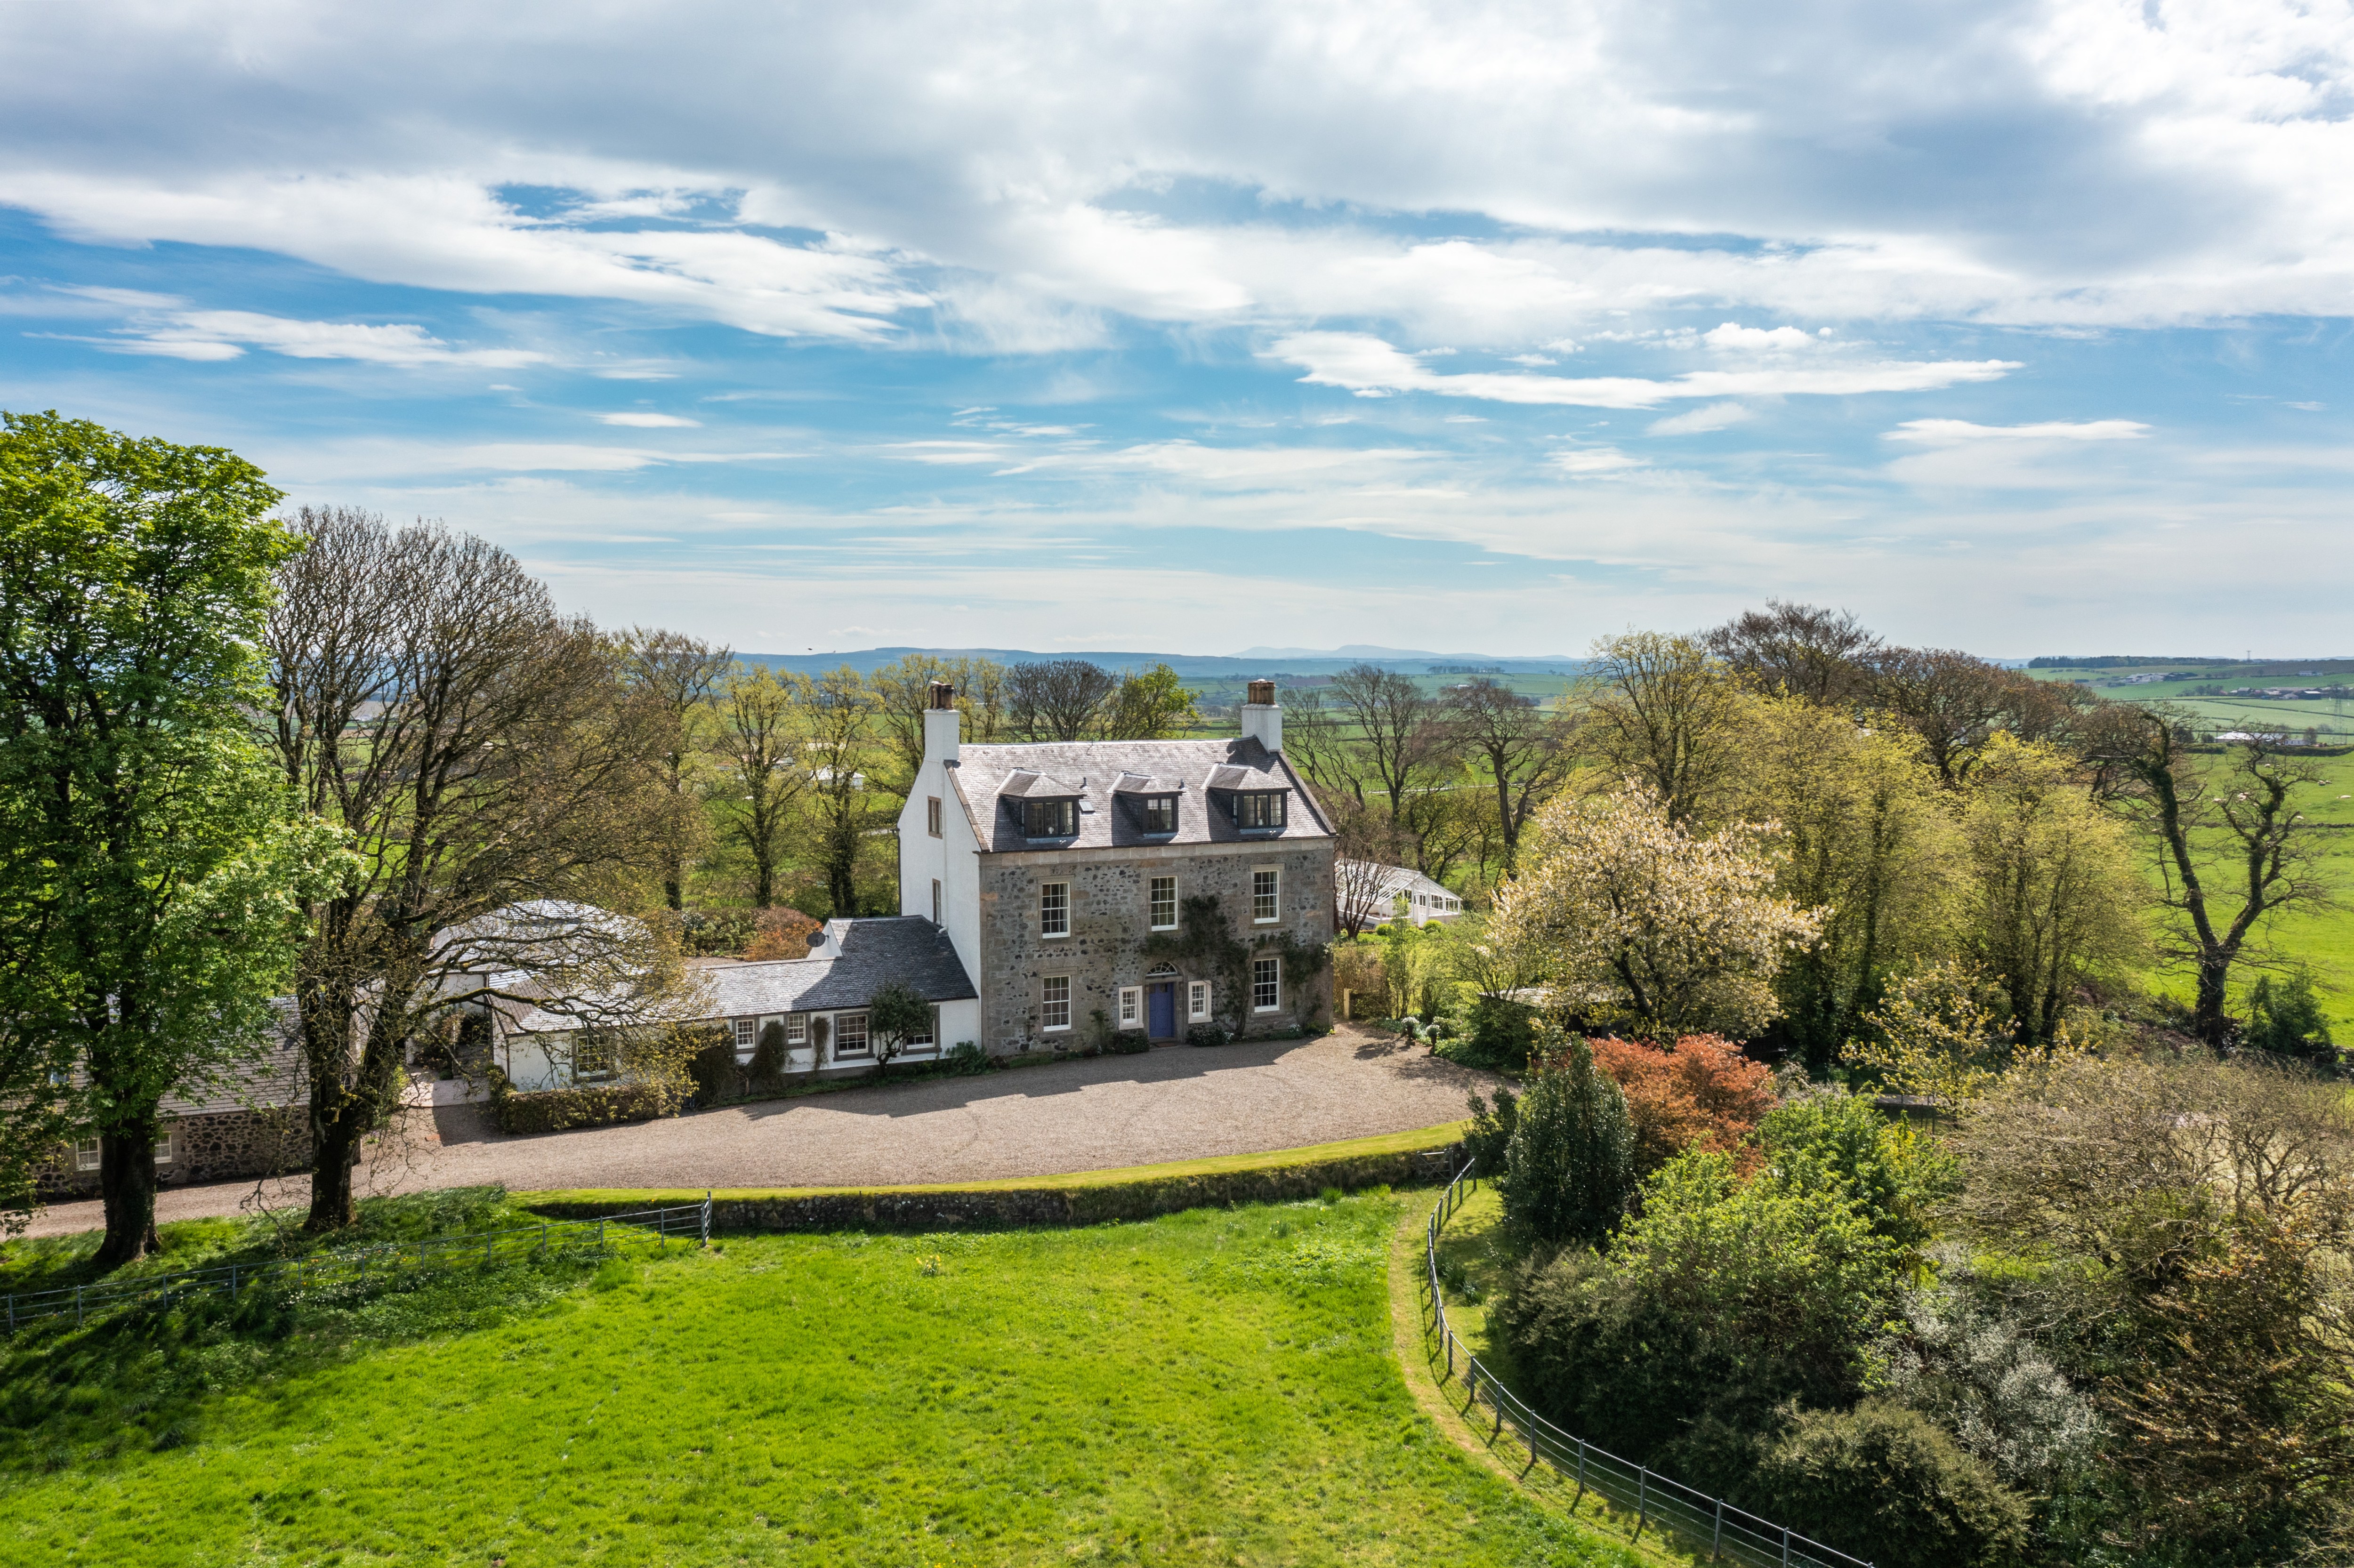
pixel 1262 719
pixel 943 695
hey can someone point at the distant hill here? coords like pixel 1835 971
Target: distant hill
pixel 1248 665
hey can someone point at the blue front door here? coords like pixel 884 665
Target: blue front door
pixel 1160 1011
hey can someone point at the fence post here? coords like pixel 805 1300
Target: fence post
pixel 1642 1499
pixel 1716 1536
pixel 600 1233
pixel 232 1285
pixel 1580 1477
pixel 1786 1546
pixel 11 1313
pixel 706 1216
pixel 76 1306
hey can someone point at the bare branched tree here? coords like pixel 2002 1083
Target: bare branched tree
pixel 1955 702
pixel 1523 750
pixel 1056 700
pixel 674 676
pixel 492 781
pixel 2242 824
pixel 1822 655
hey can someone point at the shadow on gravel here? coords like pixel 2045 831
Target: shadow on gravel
pixel 1160 1066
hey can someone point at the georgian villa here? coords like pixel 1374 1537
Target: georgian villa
pixel 1054 867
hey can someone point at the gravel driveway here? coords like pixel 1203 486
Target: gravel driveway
pixel 1175 1103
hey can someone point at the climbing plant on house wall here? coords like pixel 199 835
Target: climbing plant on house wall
pixel 1204 945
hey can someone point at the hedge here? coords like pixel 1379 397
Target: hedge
pixel 564 1110
pixel 1423 1156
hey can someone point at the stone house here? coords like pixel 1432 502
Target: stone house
pixel 1151 885
pixel 251 1118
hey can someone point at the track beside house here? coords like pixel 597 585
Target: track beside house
pixel 1179 1103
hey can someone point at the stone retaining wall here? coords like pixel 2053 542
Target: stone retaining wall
pixel 1024 1207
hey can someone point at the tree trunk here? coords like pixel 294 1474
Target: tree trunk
pixel 674 886
pixel 126 1174
pixel 2208 1019
pixel 335 1154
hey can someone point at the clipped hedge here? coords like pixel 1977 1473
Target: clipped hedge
pixel 1412 1159
pixel 566 1110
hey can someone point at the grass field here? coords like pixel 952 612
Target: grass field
pixel 1215 1387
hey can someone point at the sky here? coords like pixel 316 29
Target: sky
pixel 2023 328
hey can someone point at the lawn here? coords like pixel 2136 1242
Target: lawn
pixel 1218 1387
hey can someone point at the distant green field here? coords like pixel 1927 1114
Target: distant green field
pixel 2327 716
pixel 1217 1387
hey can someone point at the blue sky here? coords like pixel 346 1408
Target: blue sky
pixel 2019 328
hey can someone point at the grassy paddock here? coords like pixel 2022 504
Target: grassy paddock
pixel 1218 1387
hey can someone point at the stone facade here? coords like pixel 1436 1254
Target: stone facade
pixel 216 1146
pixel 272 1141
pixel 1109 923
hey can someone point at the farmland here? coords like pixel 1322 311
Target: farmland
pixel 1217 1386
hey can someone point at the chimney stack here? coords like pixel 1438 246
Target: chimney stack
pixel 1262 719
pixel 942 724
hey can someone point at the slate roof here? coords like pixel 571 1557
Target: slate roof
pixel 986 774
pixel 904 947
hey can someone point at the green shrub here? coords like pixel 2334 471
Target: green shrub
pixel 767 1070
pixel 1893 1173
pixel 563 1110
pixel 1719 1300
pixel 1569 1164
pixel 1490 1032
pixel 1490 1132
pixel 2288 1020
pixel 1128 1042
pixel 1207 1034
pixel 1884 1483
pixel 713 1068
pixel 967 1060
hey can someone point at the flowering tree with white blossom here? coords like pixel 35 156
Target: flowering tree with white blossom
pixel 1638 922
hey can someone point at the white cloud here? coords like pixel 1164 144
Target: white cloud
pixel 1734 336
pixel 649 421
pixel 1954 432
pixel 1716 417
pixel 226 335
pixel 997 166
pixel 1370 367
pixel 1582 460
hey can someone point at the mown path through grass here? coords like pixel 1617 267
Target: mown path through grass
pixel 1215 1387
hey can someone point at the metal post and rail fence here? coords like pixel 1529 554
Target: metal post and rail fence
pixel 1656 1502
pixel 361 1267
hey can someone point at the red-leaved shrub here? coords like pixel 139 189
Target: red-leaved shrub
pixel 1704 1093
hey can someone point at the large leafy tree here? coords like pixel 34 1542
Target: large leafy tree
pixel 671 677
pixel 148 859
pixel 2051 897
pixel 758 739
pixel 1865 835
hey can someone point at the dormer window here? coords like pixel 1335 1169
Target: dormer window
pixel 1260 810
pixel 1050 818
pixel 1158 813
